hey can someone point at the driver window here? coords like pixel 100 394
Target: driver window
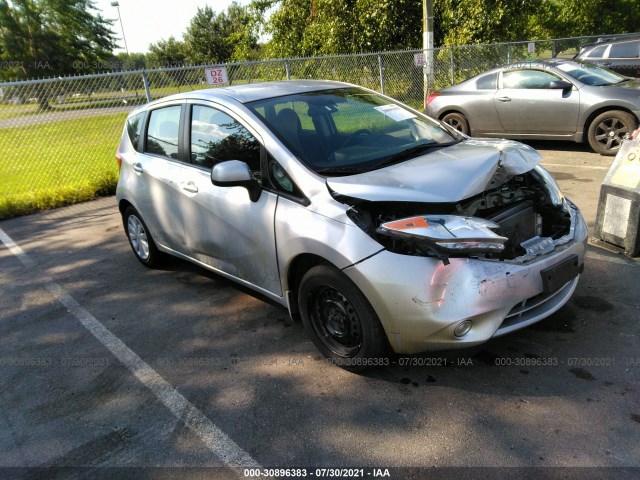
pixel 528 79
pixel 216 137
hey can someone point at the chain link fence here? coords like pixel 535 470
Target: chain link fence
pixel 58 136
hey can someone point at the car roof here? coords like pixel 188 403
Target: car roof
pixel 552 62
pixel 617 39
pixel 522 64
pixel 533 63
pixel 256 91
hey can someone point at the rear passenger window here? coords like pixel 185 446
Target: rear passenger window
pixel 216 137
pixel 625 50
pixel 162 133
pixel 134 128
pixel 488 82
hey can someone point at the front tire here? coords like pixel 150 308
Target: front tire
pixel 339 319
pixel 608 129
pixel 140 239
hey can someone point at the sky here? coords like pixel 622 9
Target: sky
pixel 147 21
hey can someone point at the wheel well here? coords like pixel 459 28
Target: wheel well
pixel 595 113
pixel 444 114
pixel 297 268
pixel 122 206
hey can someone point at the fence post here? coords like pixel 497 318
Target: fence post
pixel 286 69
pixel 453 68
pixel 147 92
pixel 381 70
pixel 509 54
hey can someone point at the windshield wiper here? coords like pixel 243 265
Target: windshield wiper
pixel 411 152
pixel 339 170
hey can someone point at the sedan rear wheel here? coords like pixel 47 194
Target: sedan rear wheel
pixel 339 319
pixel 608 129
pixel 457 121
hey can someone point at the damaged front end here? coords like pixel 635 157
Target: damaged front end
pixel 521 218
pixel 478 242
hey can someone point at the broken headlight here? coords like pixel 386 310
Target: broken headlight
pixel 449 234
pixel 550 185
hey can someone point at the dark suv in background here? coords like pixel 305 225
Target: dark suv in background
pixel 620 54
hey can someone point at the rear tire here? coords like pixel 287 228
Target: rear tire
pixel 340 321
pixel 143 246
pixel 457 121
pixel 608 129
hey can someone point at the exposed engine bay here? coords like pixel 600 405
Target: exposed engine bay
pixel 522 217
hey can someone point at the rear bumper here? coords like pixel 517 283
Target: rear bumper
pixel 420 301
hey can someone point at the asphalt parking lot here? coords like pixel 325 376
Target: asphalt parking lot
pixel 104 363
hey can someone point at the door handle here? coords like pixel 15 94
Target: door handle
pixel 137 167
pixel 189 187
pixel 504 99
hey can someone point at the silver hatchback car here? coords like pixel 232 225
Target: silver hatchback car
pixel 372 223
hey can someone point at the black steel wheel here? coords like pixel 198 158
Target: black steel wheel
pixel 340 320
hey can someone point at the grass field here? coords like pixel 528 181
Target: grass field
pixel 55 164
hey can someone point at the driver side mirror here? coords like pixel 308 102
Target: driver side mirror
pixel 234 173
pixel 560 85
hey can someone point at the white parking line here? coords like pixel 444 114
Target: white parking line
pixel 215 439
pixel 581 167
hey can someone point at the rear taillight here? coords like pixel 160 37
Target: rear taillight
pixel 430 99
pixel 118 158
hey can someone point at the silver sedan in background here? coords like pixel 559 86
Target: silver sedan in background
pixel 544 100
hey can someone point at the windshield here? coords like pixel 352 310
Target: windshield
pixel 590 74
pixel 349 130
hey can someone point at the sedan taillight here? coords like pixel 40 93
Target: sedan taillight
pixel 430 99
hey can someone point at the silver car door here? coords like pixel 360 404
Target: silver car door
pixel 157 173
pixel 527 104
pixel 225 229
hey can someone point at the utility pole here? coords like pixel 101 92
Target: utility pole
pixel 117 5
pixel 427 42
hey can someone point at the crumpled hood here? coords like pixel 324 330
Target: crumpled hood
pixel 450 174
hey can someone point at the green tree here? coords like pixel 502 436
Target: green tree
pixel 219 38
pixel 53 37
pixel 167 53
pixel 43 38
pixel 596 17
pixel 301 28
pixel 486 21
pixel 133 61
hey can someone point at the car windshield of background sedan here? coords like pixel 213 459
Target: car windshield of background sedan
pixel 590 74
pixel 348 131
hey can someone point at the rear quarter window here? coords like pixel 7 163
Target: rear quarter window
pixel 488 82
pixel 134 129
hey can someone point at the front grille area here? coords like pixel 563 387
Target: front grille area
pixel 535 308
